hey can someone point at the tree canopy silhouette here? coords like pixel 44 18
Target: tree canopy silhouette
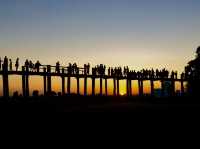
pixel 193 74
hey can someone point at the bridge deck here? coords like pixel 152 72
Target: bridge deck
pixel 87 76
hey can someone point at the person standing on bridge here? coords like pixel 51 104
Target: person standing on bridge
pixel 37 66
pixel 27 64
pixel 58 67
pixel 172 74
pixel 17 64
pixel 176 74
pixel 5 63
pixel 31 65
pixel 10 64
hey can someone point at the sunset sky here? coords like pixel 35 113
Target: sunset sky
pixel 137 33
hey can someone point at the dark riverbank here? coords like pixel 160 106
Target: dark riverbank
pixel 99 104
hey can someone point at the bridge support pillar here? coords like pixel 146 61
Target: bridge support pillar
pixel 45 81
pixel 114 88
pixel 172 87
pixel 117 87
pixel 106 86
pixel 23 82
pixel 85 86
pixel 93 86
pixel 68 85
pixel 5 85
pixel 130 88
pixel 101 86
pixel 27 81
pixel 182 87
pixel 140 84
pixel 152 87
pixel 49 79
pixel 5 82
pixel 78 85
pixel 63 82
pixel 127 87
pixel 162 88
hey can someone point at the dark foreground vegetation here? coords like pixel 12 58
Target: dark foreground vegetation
pixel 99 104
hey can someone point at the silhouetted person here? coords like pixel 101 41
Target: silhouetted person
pixel 58 67
pixel 69 68
pixel 26 64
pixel 85 69
pixel 182 75
pixel 74 69
pixel 10 64
pixel 31 65
pixel 88 68
pixel 175 74
pixel 77 70
pixel 5 63
pixel 172 75
pixel 37 66
pixel 17 64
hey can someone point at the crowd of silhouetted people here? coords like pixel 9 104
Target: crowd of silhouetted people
pixel 98 70
pixel 152 74
pixel 33 67
pixel 7 64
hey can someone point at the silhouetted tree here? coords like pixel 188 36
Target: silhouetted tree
pixel 192 71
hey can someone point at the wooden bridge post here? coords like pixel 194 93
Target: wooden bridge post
pixel 106 86
pixel 152 87
pixel 45 81
pixel 63 81
pixel 162 88
pixel 127 87
pixel 85 86
pixel 182 87
pixel 78 85
pixel 140 84
pixel 172 87
pixel 23 82
pixel 117 86
pixel 93 86
pixel 68 85
pixel 49 79
pixel 101 86
pixel 114 88
pixel 27 81
pixel 5 82
pixel 130 87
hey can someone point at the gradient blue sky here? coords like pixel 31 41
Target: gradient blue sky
pixel 138 33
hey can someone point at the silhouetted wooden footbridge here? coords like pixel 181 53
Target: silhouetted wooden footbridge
pixel 99 72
